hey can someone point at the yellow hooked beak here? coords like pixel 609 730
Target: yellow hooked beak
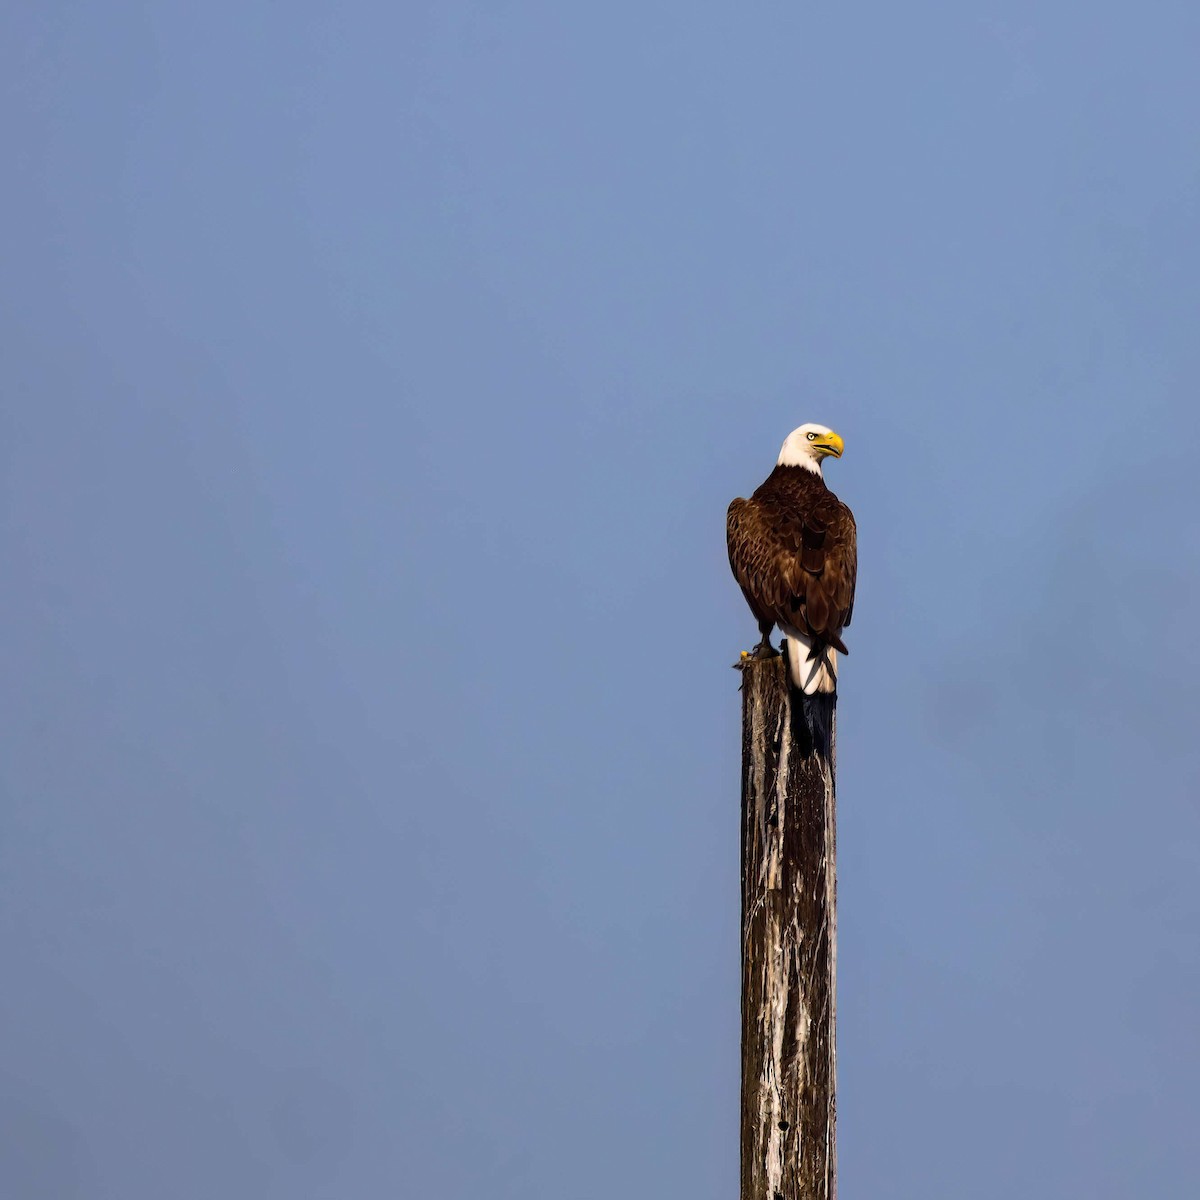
pixel 829 443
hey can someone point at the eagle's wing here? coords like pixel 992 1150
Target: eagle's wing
pixel 752 558
pixel 796 569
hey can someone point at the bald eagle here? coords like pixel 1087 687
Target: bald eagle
pixel 793 548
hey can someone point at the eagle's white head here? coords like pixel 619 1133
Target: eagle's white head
pixel 806 446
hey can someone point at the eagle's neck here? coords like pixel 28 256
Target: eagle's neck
pixel 796 480
pixel 804 461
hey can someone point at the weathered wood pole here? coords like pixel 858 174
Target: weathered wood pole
pixel 789 939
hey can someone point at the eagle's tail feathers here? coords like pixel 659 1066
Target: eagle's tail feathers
pixel 812 663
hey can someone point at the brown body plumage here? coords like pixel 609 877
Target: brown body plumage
pixel 794 551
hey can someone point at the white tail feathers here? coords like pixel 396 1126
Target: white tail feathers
pixel 811 674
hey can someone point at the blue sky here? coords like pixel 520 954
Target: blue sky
pixel 375 379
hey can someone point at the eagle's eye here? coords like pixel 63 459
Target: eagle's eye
pixel 812 437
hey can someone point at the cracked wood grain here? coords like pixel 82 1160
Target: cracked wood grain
pixel 789 939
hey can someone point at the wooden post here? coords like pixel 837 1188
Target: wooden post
pixel 789 939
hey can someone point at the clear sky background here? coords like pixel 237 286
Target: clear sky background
pixel 375 378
